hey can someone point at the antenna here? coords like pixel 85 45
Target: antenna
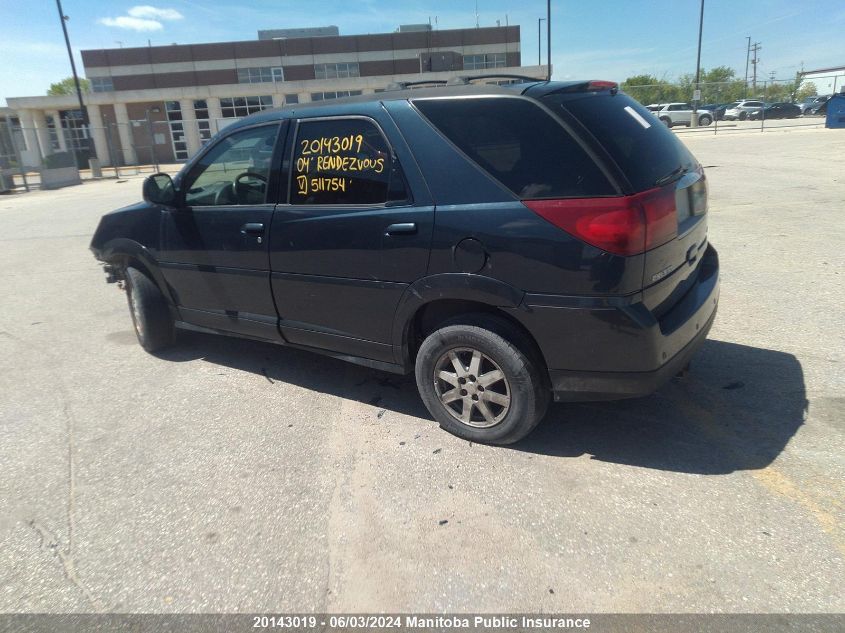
pixel 476 13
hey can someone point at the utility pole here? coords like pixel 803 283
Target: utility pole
pixel 539 39
pixel 697 93
pixel 755 48
pixel 747 58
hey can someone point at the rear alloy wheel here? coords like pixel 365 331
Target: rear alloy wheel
pixel 705 120
pixel 472 387
pixel 480 383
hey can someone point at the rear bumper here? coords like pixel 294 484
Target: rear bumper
pixel 617 348
pixel 571 386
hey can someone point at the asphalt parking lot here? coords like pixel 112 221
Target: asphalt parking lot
pixel 227 475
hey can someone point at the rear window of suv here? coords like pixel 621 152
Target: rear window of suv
pixel 645 149
pixel 518 144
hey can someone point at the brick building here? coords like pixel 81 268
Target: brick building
pixel 163 102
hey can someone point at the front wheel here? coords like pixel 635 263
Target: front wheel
pixel 479 384
pixel 151 316
pixel 705 120
pixel 666 121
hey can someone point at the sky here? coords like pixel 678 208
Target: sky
pixel 608 39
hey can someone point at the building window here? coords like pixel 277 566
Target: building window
pixel 336 71
pixel 480 62
pixel 237 107
pixel 101 84
pixel 203 124
pixel 294 98
pixel 177 130
pixel 53 133
pixel 337 94
pixel 76 134
pixel 264 74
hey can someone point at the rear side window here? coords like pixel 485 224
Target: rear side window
pixel 344 162
pixel 645 149
pixel 518 144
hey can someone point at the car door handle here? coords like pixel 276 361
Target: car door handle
pixel 253 228
pixel 403 228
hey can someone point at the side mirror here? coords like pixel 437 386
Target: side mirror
pixel 159 189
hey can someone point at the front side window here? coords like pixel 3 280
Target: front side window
pixel 235 171
pixel 518 144
pixel 343 162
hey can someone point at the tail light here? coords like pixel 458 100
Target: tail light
pixel 626 225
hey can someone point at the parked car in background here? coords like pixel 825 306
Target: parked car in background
pixel 776 111
pixel 509 245
pixel 811 103
pixel 716 109
pixel 820 108
pixel 681 114
pixel 739 110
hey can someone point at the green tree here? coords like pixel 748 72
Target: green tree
pixel 719 74
pixel 807 89
pixel 649 89
pixel 67 87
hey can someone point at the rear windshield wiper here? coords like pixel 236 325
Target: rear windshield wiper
pixel 673 175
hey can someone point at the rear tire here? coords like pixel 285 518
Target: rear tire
pixel 148 307
pixel 705 120
pixel 481 381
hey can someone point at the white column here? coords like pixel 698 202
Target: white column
pixel 32 154
pixel 215 113
pixel 57 125
pixel 189 125
pixel 42 132
pixel 124 130
pixel 98 133
pixel 278 100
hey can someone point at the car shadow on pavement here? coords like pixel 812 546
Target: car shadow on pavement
pixel 310 370
pixel 736 409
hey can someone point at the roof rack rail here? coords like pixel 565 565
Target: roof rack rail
pixel 465 79
pixel 401 85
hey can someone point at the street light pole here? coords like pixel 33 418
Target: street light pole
pixel 697 94
pixel 85 121
pixel 539 41
pixel 549 38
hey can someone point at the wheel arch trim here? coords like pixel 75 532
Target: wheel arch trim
pixel 446 286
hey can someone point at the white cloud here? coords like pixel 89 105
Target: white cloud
pixel 134 24
pixel 154 13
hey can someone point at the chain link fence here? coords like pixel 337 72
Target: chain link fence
pixel 716 98
pixel 49 156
